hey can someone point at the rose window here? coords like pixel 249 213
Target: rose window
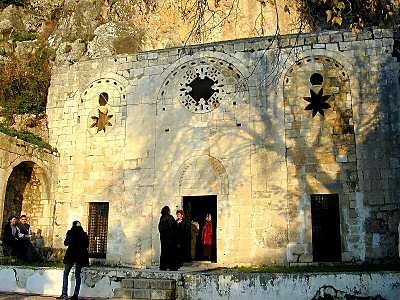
pixel 202 89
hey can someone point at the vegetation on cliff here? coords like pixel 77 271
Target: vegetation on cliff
pixel 24 82
pixel 36 34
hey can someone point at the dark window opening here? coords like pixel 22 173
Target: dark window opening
pixel 196 208
pixel 326 238
pixel 103 99
pixel 98 229
pixel 201 88
pixel 316 79
pixel 317 102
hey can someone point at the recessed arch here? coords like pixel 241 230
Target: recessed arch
pixel 202 175
pixel 27 190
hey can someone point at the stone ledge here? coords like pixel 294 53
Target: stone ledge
pixel 252 44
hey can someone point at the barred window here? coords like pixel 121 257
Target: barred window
pixel 98 229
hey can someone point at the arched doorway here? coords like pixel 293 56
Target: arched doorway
pixel 28 192
pixel 203 185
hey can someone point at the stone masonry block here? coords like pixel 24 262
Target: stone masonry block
pixel 141 283
pixel 123 293
pixel 162 294
pixel 163 284
pixel 142 293
pixel 127 283
pixel 323 38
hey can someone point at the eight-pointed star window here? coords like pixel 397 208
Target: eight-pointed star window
pixel 317 102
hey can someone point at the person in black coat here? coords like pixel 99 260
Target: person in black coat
pixel 168 237
pixel 10 238
pixel 184 231
pixel 29 253
pixel 77 253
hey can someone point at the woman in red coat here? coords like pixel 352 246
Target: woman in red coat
pixel 207 237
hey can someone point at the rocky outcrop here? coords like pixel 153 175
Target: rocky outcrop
pixel 95 28
pixel 36 124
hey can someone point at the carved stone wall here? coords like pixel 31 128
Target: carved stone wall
pixel 263 124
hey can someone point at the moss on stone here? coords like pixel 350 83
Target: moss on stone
pixel 27 137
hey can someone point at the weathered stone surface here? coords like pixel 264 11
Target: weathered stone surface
pixel 212 285
pixel 204 122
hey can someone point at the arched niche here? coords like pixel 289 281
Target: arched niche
pixel 27 191
pixel 202 175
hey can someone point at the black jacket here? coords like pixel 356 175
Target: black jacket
pixel 8 237
pixel 168 229
pixel 78 242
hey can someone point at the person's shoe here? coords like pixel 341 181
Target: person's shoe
pixel 74 297
pixel 62 297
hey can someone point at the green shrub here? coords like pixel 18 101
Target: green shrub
pixel 27 137
pixel 24 82
pixel 24 36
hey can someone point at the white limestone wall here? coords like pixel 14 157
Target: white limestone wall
pixel 210 285
pixel 293 286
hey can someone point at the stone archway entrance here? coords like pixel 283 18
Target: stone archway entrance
pixel 27 192
pixel 196 208
pixel 204 188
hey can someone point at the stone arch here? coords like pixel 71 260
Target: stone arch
pixel 202 175
pixel 334 83
pixel 201 54
pixel 220 79
pixel 28 190
pixel 102 115
pixel 319 136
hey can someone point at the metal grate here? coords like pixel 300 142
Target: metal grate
pixel 98 229
pixel 326 228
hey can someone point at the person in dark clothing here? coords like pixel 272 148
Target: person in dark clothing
pixel 28 252
pixel 168 237
pixel 183 242
pixel 10 238
pixel 77 253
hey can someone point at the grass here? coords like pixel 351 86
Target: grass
pixel 10 261
pixel 27 137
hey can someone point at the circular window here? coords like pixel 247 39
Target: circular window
pixel 316 79
pixel 203 85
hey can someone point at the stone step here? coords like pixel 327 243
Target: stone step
pixel 146 283
pixel 156 294
pixel 146 288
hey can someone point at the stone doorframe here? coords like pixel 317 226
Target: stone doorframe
pixel 221 190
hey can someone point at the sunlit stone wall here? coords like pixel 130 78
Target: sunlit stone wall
pixel 233 119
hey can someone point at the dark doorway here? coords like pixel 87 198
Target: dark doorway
pixel 196 208
pixel 98 229
pixel 326 228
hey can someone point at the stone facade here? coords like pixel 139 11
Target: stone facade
pixel 27 181
pixel 229 119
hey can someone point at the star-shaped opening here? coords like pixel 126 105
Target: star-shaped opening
pixel 201 88
pixel 102 121
pixel 317 102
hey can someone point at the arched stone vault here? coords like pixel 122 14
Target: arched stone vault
pixel 17 153
pixel 202 175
